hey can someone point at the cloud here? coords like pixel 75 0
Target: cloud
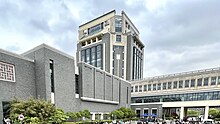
pixel 178 35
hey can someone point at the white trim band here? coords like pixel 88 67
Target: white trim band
pixel 99 100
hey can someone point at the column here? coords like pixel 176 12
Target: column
pixel 181 113
pixel 93 116
pixel 101 117
pixel 206 112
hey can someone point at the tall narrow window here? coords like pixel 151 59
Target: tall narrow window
pixel 149 87
pixel 213 81
pixel 175 85
pixel 186 83
pixel 76 84
pixel 199 82
pixel 136 88
pixel 169 85
pixel 52 75
pixel 118 25
pixel 83 56
pixel 159 86
pixel 145 87
pixel 206 81
pixel 181 84
pixel 88 56
pixel 140 88
pixel 93 56
pixel 99 56
pixel 52 81
pixel 164 86
pixel 127 95
pixel 192 83
pixel 132 89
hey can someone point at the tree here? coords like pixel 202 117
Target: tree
pixel 123 113
pixel 193 113
pixel 215 113
pixel 36 111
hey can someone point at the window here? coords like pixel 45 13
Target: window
pixel 199 82
pixel 83 56
pixel 186 83
pixel 159 86
pixel 118 38
pixel 7 72
pixel 146 111
pixel 6 108
pixel 213 81
pixel 93 56
pixel 88 56
pixel 181 84
pixel 154 87
pixel 132 89
pixel 154 111
pixel 136 88
pixel 218 80
pixel 145 87
pixel 149 87
pixel 140 88
pixel 99 56
pixel 164 86
pixel 169 85
pixel 174 84
pixel 95 29
pixel 77 83
pixel 206 81
pixel 52 75
pixel 118 25
pixel 138 113
pixel 192 83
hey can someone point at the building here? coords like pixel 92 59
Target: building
pixel 111 42
pixel 49 74
pixel 175 93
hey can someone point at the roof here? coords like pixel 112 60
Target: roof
pixel 98 18
pixel 48 47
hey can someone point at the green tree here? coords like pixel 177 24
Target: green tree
pixel 193 113
pixel 215 113
pixel 35 111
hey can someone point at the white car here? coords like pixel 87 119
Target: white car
pixel 208 121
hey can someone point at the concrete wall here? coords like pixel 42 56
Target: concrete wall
pixel 101 91
pixel 64 76
pixel 24 85
pixel 149 107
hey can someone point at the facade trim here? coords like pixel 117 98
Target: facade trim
pixel 99 100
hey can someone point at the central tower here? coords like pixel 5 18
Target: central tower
pixel 111 42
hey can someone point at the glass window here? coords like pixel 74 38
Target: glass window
pixel 83 55
pixel 118 38
pixel 132 89
pixel 206 81
pixel 145 87
pixel 146 111
pixel 93 56
pixel 136 88
pixel 99 56
pixel 174 84
pixel 159 86
pixel 169 85
pixel 213 81
pixel 218 80
pixel 192 83
pixel 164 86
pixel 95 29
pixel 154 87
pixel 88 56
pixel 180 84
pixel 149 87
pixel 118 25
pixel 186 83
pixel 140 88
pixel 154 111
pixel 199 82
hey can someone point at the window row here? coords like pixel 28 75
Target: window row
pixel 177 84
pixel 137 64
pixel 178 97
pixel 92 56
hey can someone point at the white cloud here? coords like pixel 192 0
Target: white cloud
pixel 179 35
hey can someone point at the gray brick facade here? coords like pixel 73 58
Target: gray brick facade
pixel 99 91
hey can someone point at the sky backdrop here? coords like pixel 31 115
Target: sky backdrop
pixel 179 35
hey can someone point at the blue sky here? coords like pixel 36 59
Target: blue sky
pixel 179 35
